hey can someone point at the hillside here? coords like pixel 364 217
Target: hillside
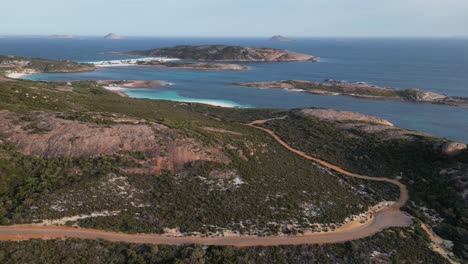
pixel 225 53
pixel 77 154
pixel 21 64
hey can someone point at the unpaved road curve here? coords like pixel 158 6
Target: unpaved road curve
pixel 389 217
pixel 403 190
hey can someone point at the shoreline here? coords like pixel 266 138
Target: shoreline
pixel 128 84
pixel 19 74
pixel 170 63
pixel 119 87
pixel 360 90
pixel 129 62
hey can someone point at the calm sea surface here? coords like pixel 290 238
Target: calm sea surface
pixel 439 65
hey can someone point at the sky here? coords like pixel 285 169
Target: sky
pixel 236 18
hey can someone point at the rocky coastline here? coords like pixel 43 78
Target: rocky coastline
pixel 361 90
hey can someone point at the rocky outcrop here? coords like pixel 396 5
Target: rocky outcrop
pixel 57 135
pixel 338 115
pixel 419 95
pixel 356 124
pixel 450 148
pixel 225 53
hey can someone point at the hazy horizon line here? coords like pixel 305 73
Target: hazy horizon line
pixel 227 37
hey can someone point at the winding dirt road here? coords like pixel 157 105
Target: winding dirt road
pixel 389 217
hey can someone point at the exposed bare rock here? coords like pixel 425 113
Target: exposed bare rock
pixel 338 115
pixel 387 132
pixel 46 135
pixel 356 124
pixel 419 95
pixel 450 148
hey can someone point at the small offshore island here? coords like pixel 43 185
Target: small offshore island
pixel 280 38
pixel 225 53
pixel 361 90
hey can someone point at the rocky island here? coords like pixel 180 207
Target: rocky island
pixel 225 53
pixel 361 90
pixel 280 38
pixel 112 36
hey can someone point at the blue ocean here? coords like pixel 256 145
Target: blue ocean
pixel 439 65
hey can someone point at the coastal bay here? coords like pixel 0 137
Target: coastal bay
pixel 413 64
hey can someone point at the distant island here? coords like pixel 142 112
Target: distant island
pixel 361 90
pixel 280 38
pixel 225 53
pixel 113 36
pixel 61 36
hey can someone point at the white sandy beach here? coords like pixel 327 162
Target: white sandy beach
pixel 128 62
pixel 176 98
pixel 19 75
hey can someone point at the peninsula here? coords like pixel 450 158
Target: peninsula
pixel 361 90
pixel 19 65
pixel 225 53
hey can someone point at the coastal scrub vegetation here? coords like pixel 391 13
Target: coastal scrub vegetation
pixel 42 65
pixel 261 188
pixel 395 245
pixel 205 197
pixel 416 161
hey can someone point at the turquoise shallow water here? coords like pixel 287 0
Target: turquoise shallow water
pixel 440 65
pixel 175 96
